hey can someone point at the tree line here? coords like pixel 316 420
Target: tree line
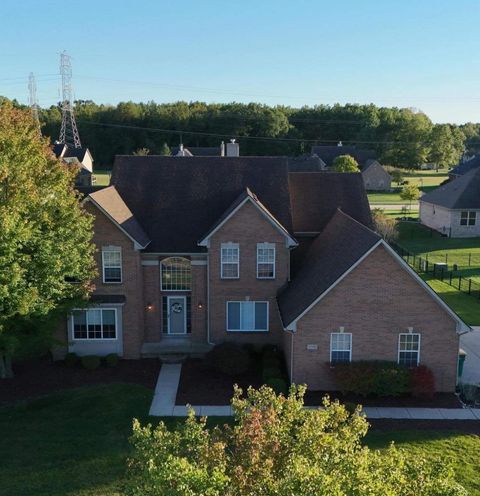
pixel 400 136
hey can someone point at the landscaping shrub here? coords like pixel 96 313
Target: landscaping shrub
pixel 111 360
pixel 90 362
pixel 470 393
pixel 278 385
pixel 271 373
pixel 229 358
pixel 271 361
pixel 423 382
pixel 377 378
pixel 71 359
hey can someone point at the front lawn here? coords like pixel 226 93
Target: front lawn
pixel 76 442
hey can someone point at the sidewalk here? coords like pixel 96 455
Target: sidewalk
pixel 163 404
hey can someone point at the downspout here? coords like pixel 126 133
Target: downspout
pixel 291 360
pixel 208 299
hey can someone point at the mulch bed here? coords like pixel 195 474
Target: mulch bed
pixel 439 400
pixel 201 385
pixel 38 377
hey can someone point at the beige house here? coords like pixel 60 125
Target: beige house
pixel 196 251
pixel 375 177
pixel 454 208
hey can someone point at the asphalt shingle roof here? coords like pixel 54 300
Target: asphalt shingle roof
pixel 462 192
pixel 464 167
pixel 328 153
pixel 178 199
pixel 342 243
pixel 315 196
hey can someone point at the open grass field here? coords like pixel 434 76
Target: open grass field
pixel 76 442
pixel 425 180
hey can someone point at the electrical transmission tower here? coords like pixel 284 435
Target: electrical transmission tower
pixel 68 131
pixel 32 100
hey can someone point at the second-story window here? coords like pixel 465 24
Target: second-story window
pixel 230 261
pixel 266 261
pixel 112 264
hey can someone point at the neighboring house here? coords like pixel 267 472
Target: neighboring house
pixel 231 149
pixel 328 153
pixel 306 163
pixel 196 251
pixel 375 177
pixel 454 208
pixel 466 165
pixel 79 156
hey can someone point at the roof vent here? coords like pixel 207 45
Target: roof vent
pixel 233 149
pixel 339 143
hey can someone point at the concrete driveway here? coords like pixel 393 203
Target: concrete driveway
pixel 470 343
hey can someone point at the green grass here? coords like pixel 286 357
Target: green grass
pixel 461 450
pixel 464 252
pixel 75 443
pixel 102 177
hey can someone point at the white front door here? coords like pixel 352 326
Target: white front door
pixel 177 314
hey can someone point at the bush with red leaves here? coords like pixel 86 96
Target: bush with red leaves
pixel 423 382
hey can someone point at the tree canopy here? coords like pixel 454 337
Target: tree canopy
pixel 277 448
pixel 345 163
pixel 400 137
pixel 45 236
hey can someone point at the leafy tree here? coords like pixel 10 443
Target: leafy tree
pixel 385 226
pixel 410 193
pixel 345 163
pixel 278 448
pixel 142 152
pixel 447 145
pixel 397 175
pixel 165 150
pixel 45 236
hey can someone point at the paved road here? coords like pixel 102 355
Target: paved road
pixel 470 343
pixel 393 206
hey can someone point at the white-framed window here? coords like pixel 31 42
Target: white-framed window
pixel 340 347
pixel 247 316
pixel 94 323
pixel 409 349
pixel 176 274
pixel 230 261
pixel 266 261
pixel 468 218
pixel 112 264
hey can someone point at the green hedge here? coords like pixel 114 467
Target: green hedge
pixel 377 378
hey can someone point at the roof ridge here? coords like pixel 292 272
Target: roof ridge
pixel 339 209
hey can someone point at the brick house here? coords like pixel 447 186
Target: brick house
pixel 196 251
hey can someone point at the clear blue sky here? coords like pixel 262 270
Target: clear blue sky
pixel 408 53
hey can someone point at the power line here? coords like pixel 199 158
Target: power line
pixel 258 138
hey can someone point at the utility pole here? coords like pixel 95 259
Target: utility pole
pixel 68 131
pixel 32 100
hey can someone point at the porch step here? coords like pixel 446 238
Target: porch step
pixel 174 351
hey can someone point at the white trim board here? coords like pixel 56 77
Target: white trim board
pixel 269 217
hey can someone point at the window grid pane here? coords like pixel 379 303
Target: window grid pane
pixel 176 274
pixel 265 262
pixel 340 347
pixel 112 265
pixel 230 262
pixel 94 324
pixel 409 350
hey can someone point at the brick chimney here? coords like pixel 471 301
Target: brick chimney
pixel 233 149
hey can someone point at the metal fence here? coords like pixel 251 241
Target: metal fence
pixel 441 269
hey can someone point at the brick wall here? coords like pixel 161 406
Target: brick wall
pixel 247 227
pixel 375 302
pixel 107 233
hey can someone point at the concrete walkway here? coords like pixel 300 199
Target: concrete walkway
pixel 163 404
